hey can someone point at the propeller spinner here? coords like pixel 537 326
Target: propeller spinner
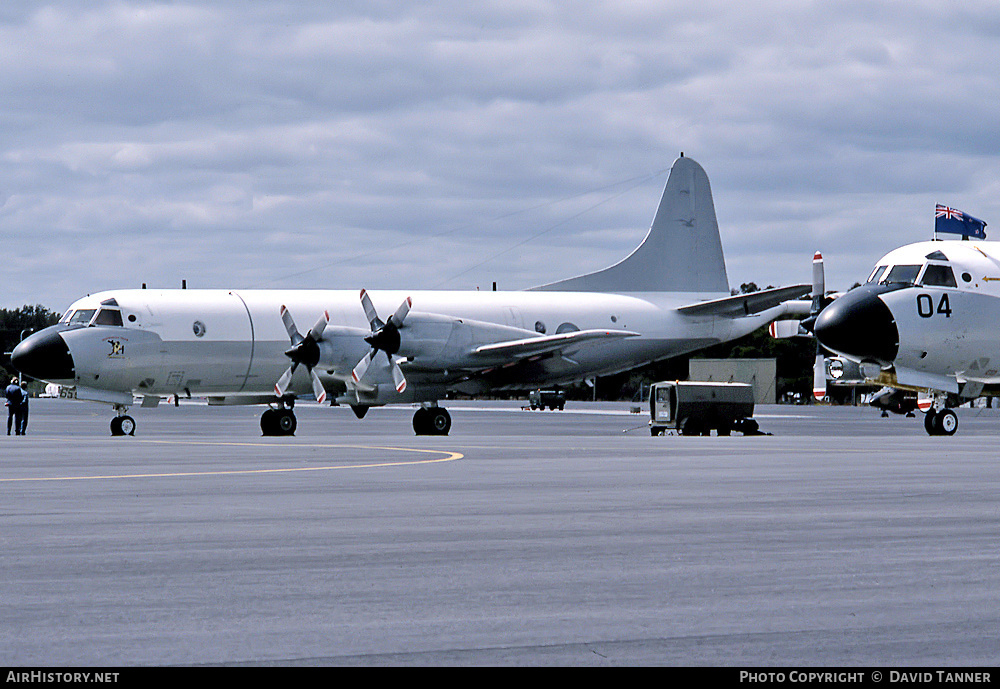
pixel 385 338
pixel 305 351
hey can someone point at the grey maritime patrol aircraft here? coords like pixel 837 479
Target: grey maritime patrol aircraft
pixel 670 296
pixel 926 323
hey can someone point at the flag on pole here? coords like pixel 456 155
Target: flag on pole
pixel 954 221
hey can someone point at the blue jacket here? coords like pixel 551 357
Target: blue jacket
pixel 15 396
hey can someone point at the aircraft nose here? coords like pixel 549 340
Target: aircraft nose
pixel 44 356
pixel 859 325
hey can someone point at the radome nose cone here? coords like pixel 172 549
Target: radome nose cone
pixel 44 356
pixel 859 325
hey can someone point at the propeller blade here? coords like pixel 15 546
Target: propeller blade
pixel 370 313
pixel 819 375
pixel 398 378
pixel 282 385
pixel 818 284
pixel 317 330
pixel 359 371
pixel 318 390
pixel 397 318
pixel 293 332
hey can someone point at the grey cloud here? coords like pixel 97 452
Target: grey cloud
pixel 368 143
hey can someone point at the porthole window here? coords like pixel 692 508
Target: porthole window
pixel 967 277
pixel 198 328
pixel 539 327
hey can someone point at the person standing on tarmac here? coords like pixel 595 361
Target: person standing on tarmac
pixel 15 403
pixel 23 424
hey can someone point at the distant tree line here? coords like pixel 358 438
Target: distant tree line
pixel 16 324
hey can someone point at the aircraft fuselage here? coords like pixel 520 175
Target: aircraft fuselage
pixel 232 344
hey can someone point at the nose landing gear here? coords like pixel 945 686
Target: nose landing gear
pixel 940 422
pixel 123 424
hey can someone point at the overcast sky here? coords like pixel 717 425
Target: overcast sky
pixel 450 144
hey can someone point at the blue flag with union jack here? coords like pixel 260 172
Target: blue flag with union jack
pixel 954 221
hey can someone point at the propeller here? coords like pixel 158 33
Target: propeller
pixel 385 338
pixel 305 351
pixel 818 295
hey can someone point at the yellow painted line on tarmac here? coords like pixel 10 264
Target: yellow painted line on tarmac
pixel 447 457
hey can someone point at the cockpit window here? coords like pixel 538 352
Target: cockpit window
pixel 902 274
pixel 876 274
pixel 82 316
pixel 938 276
pixel 67 316
pixel 109 317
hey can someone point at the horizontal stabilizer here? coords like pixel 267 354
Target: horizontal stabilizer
pixel 746 304
pixel 533 346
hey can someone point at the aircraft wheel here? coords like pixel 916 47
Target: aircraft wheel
pixel 930 422
pixel 420 423
pixel 946 422
pixel 431 421
pixel 440 421
pixel 286 422
pixel 268 422
pixel 278 422
pixel 123 425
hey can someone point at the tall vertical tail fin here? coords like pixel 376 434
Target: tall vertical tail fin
pixel 682 251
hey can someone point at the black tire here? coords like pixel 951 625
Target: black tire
pixel 123 425
pixel 421 423
pixel 286 422
pixel 440 421
pixel 268 422
pixel 946 422
pixel 930 422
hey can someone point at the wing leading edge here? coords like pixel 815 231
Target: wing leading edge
pixel 534 346
pixel 746 304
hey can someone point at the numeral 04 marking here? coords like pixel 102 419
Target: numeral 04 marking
pixel 925 306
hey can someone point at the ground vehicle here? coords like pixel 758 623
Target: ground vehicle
pixel 553 399
pixel 695 408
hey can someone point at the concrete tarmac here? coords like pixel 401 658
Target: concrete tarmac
pixel 523 538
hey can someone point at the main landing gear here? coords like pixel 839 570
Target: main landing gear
pixel 433 420
pixel 279 421
pixel 940 422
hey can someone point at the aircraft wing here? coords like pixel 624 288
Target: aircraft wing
pixel 746 304
pixel 535 346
